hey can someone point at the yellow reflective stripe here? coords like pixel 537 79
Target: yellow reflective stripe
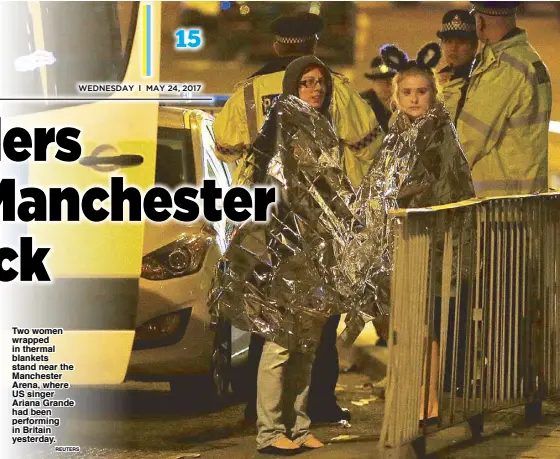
pixel 519 66
pixel 250 111
pixel 476 124
pixel 536 118
pixel 511 186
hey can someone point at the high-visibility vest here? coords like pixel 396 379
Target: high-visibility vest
pixel 237 124
pixel 503 126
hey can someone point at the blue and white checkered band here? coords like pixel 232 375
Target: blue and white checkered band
pixel 294 40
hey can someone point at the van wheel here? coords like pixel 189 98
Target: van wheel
pixel 210 390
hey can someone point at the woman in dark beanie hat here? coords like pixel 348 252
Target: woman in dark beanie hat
pixel 279 278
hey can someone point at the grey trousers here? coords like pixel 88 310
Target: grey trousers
pixel 282 390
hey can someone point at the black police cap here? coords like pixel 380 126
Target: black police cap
pixel 379 70
pixel 296 28
pixel 495 8
pixel 457 24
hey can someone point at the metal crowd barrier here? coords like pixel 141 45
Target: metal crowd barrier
pixel 489 272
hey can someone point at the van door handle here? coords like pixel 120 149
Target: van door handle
pixel 120 160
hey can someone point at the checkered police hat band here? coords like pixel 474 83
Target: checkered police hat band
pixel 495 11
pixel 463 27
pixel 294 40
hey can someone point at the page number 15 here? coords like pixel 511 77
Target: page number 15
pixel 188 39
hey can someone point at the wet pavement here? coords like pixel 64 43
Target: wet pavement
pixel 146 421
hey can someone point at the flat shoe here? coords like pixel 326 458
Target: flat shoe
pixel 312 443
pixel 283 446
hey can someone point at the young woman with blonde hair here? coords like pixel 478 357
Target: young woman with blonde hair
pixel 421 164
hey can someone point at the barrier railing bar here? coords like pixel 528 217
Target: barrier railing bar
pixel 518 299
pixel 554 297
pixel 546 298
pixel 485 311
pixel 471 327
pixel 498 295
pixel 536 317
pixel 556 303
pixel 447 262
pixel 474 202
pixel 427 292
pixel 405 399
pixel 511 230
pixel 454 361
pixel 479 290
pixel 490 307
pixel 524 319
pixel 502 262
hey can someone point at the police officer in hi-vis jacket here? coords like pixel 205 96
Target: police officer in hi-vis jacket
pixel 503 125
pixel 458 45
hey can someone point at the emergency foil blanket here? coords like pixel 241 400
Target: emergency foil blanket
pixel 327 249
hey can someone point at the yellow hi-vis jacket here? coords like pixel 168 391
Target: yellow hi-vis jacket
pixel 503 126
pixel 237 124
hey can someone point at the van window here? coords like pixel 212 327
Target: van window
pixel 174 158
pixel 87 41
pixel 17 40
pixel 90 42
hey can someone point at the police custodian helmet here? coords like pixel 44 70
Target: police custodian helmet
pixel 296 28
pixel 457 24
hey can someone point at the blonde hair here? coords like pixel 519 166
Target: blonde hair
pixel 430 77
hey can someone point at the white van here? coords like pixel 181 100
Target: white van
pixel 174 337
